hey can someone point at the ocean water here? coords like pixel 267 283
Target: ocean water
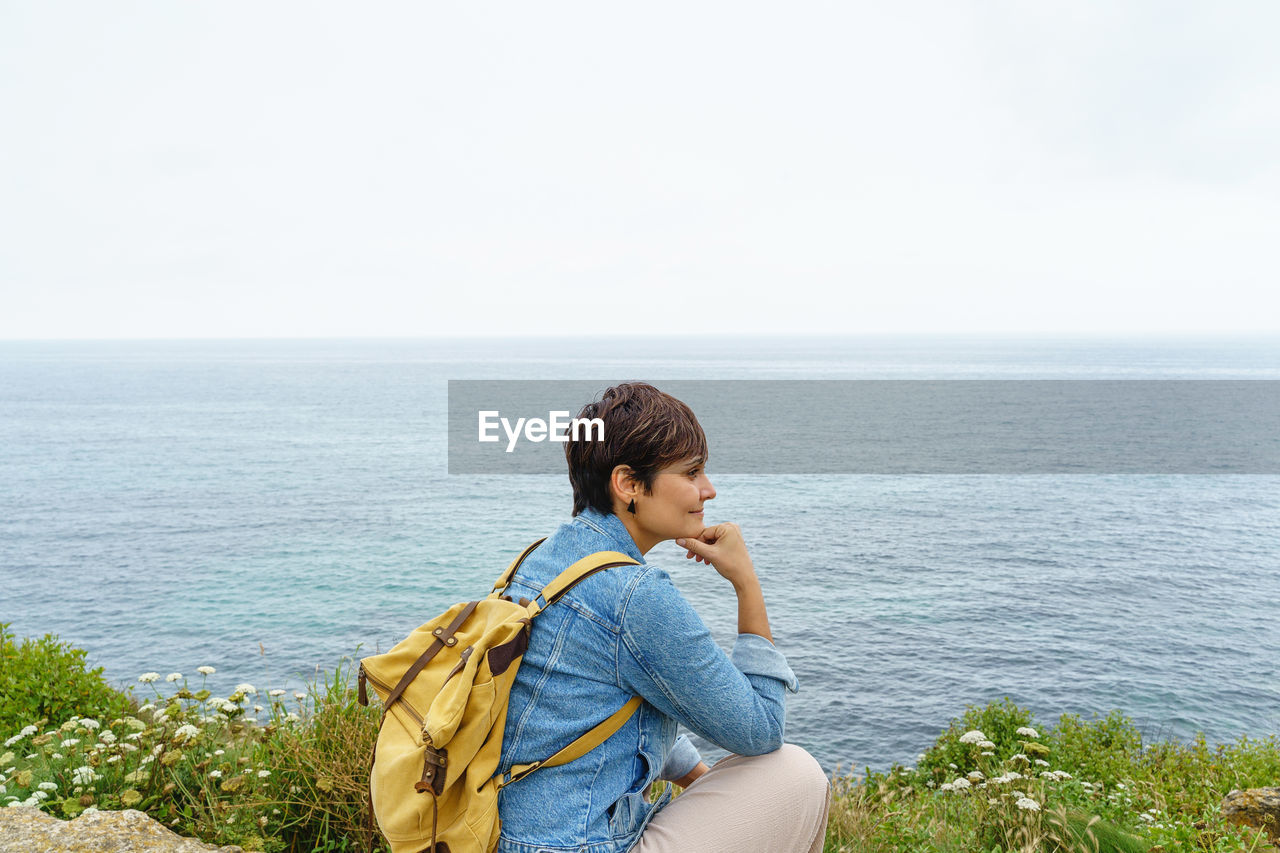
pixel 268 507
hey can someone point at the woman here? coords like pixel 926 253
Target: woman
pixel 628 632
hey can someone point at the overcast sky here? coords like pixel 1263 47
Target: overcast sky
pixel 227 169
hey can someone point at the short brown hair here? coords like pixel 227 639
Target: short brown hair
pixel 644 428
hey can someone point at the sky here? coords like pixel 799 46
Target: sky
pixel 310 169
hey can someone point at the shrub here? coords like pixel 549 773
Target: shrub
pixel 46 679
pixel 1103 750
pixel 999 721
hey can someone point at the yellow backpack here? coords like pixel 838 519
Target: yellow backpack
pixel 433 786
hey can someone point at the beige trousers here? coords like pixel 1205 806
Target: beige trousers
pixel 774 803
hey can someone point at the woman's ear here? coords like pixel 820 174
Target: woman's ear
pixel 623 485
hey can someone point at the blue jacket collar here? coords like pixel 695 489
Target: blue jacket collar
pixel 611 527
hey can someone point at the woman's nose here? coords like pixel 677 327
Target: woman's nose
pixel 708 490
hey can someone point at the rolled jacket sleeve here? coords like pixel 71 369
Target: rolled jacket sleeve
pixel 683 758
pixel 667 655
pixel 755 655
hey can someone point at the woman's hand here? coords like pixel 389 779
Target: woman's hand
pixel 723 547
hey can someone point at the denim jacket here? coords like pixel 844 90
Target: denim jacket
pixel 623 632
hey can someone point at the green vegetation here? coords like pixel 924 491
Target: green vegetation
pixel 994 782
pixel 47 678
pixel 276 772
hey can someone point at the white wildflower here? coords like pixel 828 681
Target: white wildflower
pixel 40 795
pixel 113 759
pixel 946 786
pixel 28 731
pixel 988 754
pixel 1040 762
pixel 89 810
pixel 953 767
pixel 215 774
pixel 148 677
pixel 150 706
pixel 1028 804
pixel 1063 775
pixel 1027 731
pixel 292 717
pixel 108 737
pixel 186 732
pixel 301 696
pixel 48 786
pixel 262 774
pixel 1145 816
pixel 275 693
pixel 976 776
pixel 1019 757
pixel 972 736
pixel 205 670
pixel 219 752
pixel 15 803
pixel 83 775
pixel 134 736
pixel 173 676
pixel 257 709
pixel 986 744
pixel 90 723
pixel 57 756
pixel 246 689
pixel 961 784
pixel 70 742
pixel 1120 786
pixel 294 789
pixel 11 741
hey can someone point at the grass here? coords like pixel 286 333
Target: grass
pixel 1079 786
pixel 272 771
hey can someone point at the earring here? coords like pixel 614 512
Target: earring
pixel 631 507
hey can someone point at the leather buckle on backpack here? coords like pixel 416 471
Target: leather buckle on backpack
pixel 433 771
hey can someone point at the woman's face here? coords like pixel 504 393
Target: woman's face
pixel 673 508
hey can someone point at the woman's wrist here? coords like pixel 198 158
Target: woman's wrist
pixel 688 779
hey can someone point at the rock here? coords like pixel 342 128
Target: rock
pixel 24 829
pixel 1255 807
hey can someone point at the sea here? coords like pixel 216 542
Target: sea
pixel 278 508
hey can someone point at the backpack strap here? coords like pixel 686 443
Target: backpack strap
pixel 579 571
pixel 501 585
pixel 579 747
pixel 602 731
